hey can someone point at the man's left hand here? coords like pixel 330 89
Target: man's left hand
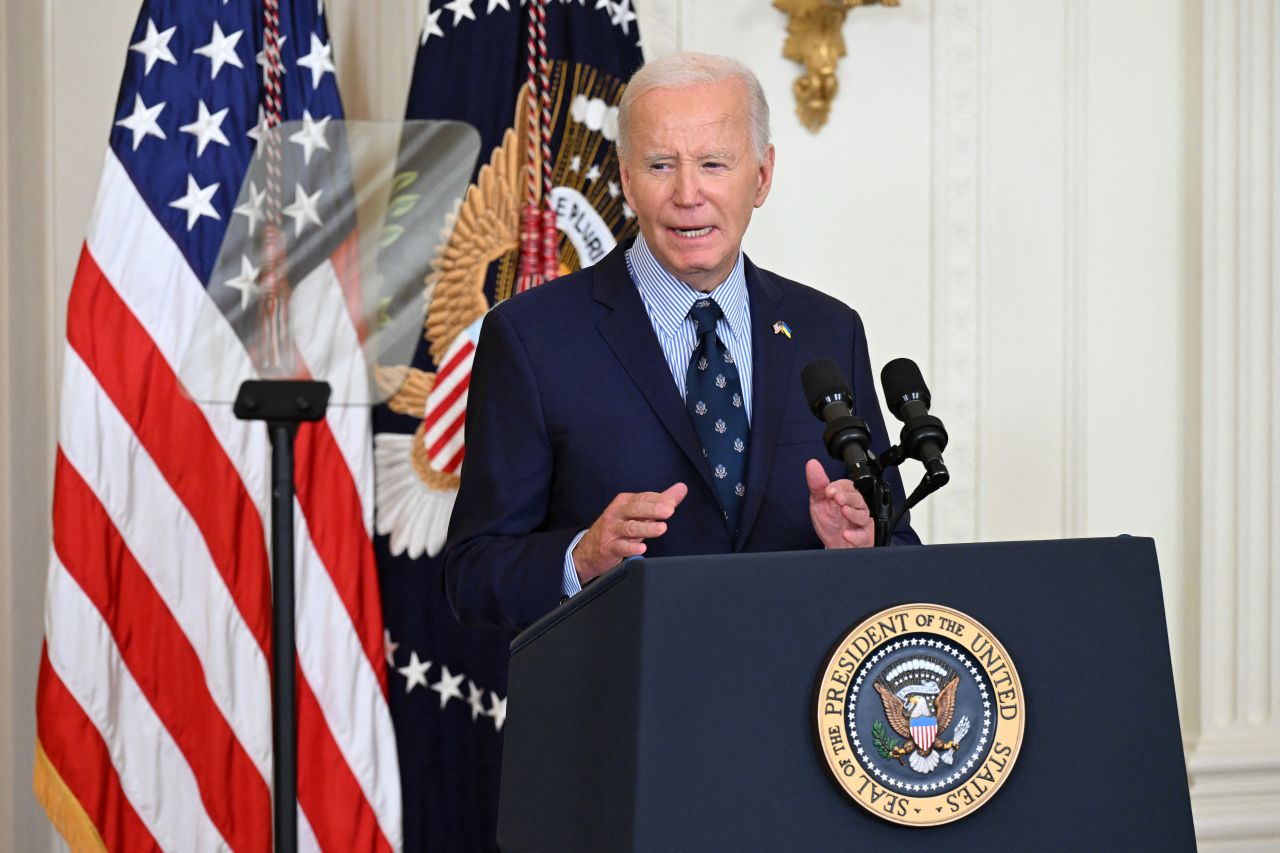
pixel 839 514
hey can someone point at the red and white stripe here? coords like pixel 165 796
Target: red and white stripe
pixel 154 700
pixel 446 409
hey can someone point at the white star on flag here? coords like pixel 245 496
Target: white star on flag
pixel 460 9
pixel 613 189
pixel 593 173
pixel 623 16
pixel 221 50
pixel 576 164
pixel 493 4
pixel 415 673
pixel 431 24
pixel 196 202
pixel 319 60
pixel 447 687
pixel 255 132
pixel 155 46
pixel 303 209
pixel 311 137
pixel 143 121
pixel 207 127
pixel 389 645
pixel 261 58
pixel 251 209
pixel 627 212
pixel 497 710
pixel 475 698
pixel 246 282
pixel 604 4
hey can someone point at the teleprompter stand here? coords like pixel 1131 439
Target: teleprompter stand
pixel 672 704
pixel 283 404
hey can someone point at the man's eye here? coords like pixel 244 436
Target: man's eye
pixel 713 165
pixel 661 167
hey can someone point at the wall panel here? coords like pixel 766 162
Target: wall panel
pixel 26 402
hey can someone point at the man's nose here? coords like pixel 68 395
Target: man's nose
pixel 688 189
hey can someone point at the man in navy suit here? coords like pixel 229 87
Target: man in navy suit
pixel 583 441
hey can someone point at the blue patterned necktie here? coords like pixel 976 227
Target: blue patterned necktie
pixel 713 396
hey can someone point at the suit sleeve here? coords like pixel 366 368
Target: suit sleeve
pixel 867 407
pixel 502 567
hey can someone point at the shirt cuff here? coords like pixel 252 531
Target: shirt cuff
pixel 569 584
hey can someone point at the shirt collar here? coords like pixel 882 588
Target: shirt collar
pixel 668 299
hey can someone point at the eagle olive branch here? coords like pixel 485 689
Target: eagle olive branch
pixel 885 745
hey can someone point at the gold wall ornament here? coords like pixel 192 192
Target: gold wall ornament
pixel 815 40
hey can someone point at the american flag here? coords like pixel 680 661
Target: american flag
pixel 153 706
pixel 446 407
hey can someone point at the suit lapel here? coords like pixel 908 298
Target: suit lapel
pixel 629 334
pixel 771 356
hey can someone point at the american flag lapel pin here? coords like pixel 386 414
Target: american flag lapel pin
pixel 781 328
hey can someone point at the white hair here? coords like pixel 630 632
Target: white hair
pixel 682 70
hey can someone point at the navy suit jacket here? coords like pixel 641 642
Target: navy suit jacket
pixel 572 402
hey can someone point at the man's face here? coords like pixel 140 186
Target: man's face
pixel 692 177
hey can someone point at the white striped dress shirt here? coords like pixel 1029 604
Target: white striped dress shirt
pixel 667 300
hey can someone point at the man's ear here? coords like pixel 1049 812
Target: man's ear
pixel 625 174
pixel 765 178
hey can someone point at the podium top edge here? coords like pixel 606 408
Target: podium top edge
pixel 619 573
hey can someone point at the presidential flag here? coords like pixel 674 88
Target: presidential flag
pixel 541 81
pixel 153 705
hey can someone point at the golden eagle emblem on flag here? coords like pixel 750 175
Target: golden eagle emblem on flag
pixel 479 249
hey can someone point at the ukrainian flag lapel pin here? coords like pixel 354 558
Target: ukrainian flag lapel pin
pixel 781 328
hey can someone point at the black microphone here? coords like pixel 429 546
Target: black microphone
pixel 923 435
pixel 846 436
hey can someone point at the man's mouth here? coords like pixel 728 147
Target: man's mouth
pixel 693 232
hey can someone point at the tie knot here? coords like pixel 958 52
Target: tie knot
pixel 705 313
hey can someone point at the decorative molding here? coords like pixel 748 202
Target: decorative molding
pixel 1235 787
pixel 1075 449
pixel 959 138
pixel 1234 764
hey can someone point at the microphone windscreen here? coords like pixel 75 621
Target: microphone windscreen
pixel 902 382
pixel 822 379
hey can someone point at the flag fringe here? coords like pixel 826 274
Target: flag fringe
pixel 65 812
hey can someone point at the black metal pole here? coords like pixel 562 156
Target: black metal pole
pixel 284 723
pixel 880 512
pixel 283 404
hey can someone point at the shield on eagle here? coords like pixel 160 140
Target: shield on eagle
pixel 923 730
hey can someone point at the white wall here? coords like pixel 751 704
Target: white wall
pixel 1064 210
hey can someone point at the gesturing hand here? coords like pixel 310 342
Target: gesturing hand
pixel 839 514
pixel 621 529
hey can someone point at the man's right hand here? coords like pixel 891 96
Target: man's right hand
pixel 621 529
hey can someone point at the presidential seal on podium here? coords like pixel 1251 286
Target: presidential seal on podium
pixel 920 714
